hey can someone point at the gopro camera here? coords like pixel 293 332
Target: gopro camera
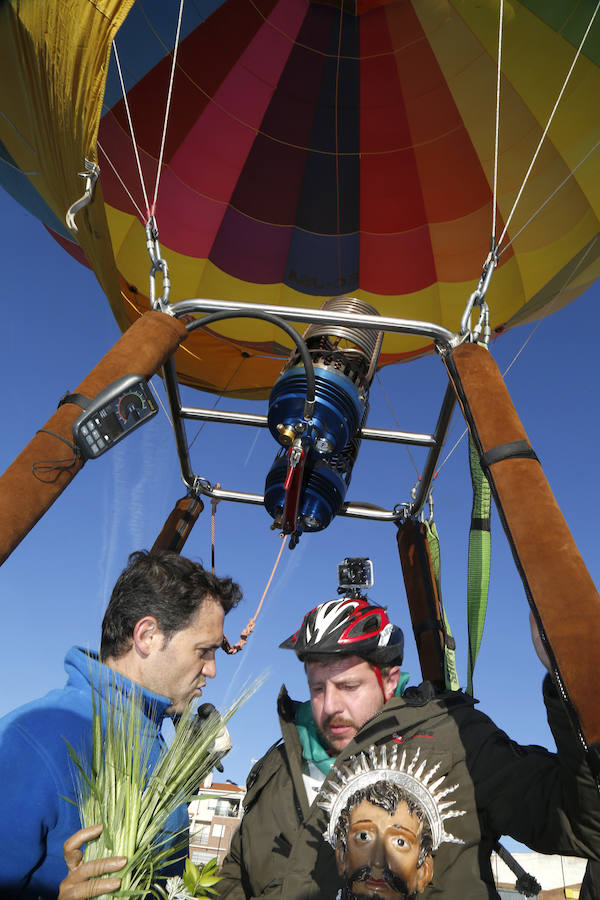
pixel 355 574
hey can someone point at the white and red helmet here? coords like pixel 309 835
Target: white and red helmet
pixel 349 627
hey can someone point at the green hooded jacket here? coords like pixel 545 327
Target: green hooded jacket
pixel 548 801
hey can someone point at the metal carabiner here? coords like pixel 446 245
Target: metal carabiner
pixel 430 505
pixel 158 264
pixel 152 240
pixel 91 177
pixel 401 511
pixel 482 331
pixel 477 298
pixel 201 486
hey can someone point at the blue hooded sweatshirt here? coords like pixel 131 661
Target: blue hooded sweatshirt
pixel 36 816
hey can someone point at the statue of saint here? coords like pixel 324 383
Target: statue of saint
pixel 386 820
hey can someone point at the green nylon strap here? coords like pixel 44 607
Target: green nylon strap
pixel 479 560
pixel 450 674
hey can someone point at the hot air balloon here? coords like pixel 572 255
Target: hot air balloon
pixel 284 153
pixel 313 150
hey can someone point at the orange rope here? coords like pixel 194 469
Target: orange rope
pixel 235 648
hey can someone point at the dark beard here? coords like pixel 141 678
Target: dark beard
pixel 333 751
pixel 397 884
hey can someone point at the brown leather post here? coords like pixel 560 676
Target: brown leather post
pixel 423 600
pixel 178 524
pixel 560 591
pixel 47 464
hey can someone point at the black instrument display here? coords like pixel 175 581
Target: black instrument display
pixel 113 413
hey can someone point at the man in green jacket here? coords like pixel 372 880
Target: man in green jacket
pixel 352 654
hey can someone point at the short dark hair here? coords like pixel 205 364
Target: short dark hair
pixel 165 585
pixel 388 796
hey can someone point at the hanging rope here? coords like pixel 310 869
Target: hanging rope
pixel 235 648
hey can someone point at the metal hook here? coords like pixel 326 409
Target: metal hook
pixel 201 486
pixel 430 505
pixel 158 265
pixel 91 177
pixel 401 511
pixel 482 331
pixel 477 298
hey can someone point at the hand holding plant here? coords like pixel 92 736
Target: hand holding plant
pixel 134 805
pixel 83 880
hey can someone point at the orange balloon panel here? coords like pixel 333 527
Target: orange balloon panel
pixel 314 150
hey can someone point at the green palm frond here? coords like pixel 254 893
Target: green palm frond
pixel 116 788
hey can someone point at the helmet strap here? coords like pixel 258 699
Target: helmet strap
pixel 377 671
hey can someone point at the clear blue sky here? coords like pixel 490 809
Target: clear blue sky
pixel 54 587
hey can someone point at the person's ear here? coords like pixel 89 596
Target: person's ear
pixel 424 873
pixel 146 634
pixel 340 858
pixel 390 682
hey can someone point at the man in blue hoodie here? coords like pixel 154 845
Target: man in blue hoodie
pixel 162 627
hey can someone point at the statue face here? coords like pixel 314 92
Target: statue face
pixel 382 853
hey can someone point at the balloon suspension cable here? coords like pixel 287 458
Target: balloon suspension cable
pixel 549 198
pixel 235 648
pixel 123 185
pixel 481 332
pixel 549 122
pixel 218 398
pixel 395 417
pixel 91 177
pixel 158 264
pixel 162 405
pixel 167 109
pixel 131 131
pixel 497 127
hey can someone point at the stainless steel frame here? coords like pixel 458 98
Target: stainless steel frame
pixel 443 339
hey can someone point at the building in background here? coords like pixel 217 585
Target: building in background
pixel 214 817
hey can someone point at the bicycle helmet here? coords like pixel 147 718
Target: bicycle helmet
pixel 350 627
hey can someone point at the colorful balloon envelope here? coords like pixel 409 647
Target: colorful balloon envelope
pixel 313 149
